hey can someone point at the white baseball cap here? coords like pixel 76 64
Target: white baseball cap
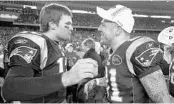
pixel 120 15
pixel 166 36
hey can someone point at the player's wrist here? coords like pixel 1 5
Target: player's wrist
pixel 66 79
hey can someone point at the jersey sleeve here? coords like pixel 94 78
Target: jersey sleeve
pixel 146 59
pixel 24 52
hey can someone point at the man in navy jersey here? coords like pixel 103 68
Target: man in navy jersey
pixel 166 38
pixel 133 68
pixel 38 72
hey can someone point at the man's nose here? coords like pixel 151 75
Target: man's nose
pixel 99 28
pixel 71 28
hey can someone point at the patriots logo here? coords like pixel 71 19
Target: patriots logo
pixel 27 53
pixel 146 57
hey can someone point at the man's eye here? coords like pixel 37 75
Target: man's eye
pixel 67 27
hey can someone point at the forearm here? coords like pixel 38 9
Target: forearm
pixel 156 87
pixel 30 88
pixel 67 81
pixel 24 88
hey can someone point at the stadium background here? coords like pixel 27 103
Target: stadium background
pixel 17 16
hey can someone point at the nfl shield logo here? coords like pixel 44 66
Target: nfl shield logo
pixel 116 60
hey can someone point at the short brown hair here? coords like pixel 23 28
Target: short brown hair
pixel 89 43
pixel 52 13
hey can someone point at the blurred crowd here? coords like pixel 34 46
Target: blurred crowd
pixel 27 18
pixel 92 20
pixel 77 37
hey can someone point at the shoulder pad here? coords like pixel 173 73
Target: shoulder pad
pixel 131 49
pixel 37 39
pixel 33 36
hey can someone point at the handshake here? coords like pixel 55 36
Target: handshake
pixel 84 68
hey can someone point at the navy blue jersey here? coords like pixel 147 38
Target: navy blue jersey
pixel 131 61
pixel 36 67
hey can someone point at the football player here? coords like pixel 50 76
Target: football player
pixel 166 37
pixel 133 69
pixel 37 71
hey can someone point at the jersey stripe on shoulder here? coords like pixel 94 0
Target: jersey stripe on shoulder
pixel 132 48
pixel 40 41
pixel 133 39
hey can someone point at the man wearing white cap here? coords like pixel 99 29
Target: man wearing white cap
pixel 133 69
pixel 166 37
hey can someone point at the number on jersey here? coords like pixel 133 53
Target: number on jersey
pixel 114 87
pixel 62 64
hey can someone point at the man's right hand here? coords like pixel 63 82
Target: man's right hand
pixel 84 68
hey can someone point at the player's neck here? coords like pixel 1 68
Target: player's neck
pixel 118 41
pixel 51 35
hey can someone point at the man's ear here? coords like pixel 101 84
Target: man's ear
pixel 117 31
pixel 52 25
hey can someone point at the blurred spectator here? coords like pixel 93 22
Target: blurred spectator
pixel 72 58
pixel 71 55
pixel 88 91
